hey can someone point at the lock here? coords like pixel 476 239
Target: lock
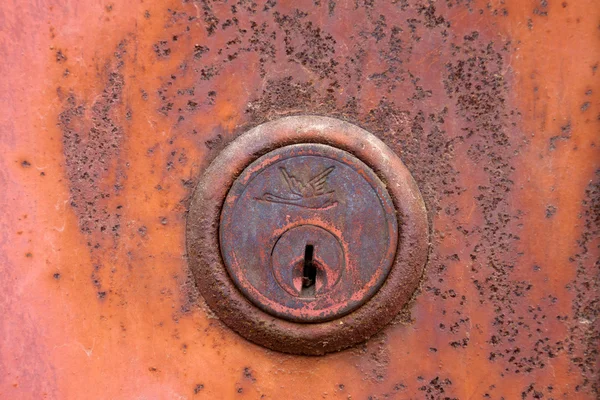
pixel 308 262
pixel 307 235
pixel 308 232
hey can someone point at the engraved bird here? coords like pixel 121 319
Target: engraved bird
pixel 312 194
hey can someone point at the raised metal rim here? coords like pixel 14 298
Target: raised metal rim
pixel 234 309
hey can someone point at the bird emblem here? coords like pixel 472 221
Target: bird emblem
pixel 312 194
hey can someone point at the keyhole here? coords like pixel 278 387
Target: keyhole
pixel 309 273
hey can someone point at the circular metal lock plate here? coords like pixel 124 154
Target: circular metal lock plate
pixel 308 232
pixel 307 235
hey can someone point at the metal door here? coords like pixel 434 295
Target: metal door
pixel 113 110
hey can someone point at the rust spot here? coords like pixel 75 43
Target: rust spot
pixel 162 49
pixel 550 211
pixel 198 388
pixel 60 57
pixel 583 342
pixel 248 374
pixel 91 139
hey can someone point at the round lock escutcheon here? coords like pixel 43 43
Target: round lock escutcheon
pixel 307 235
pixel 308 232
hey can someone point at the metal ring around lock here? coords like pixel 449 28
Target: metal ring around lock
pixel 226 299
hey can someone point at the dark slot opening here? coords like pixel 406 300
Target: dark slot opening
pixel 309 272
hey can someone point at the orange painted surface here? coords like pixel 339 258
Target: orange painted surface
pixel 96 298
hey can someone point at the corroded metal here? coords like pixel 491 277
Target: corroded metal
pixel 306 208
pixel 111 111
pixel 369 247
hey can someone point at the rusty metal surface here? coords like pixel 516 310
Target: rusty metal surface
pixel 261 147
pixel 350 222
pixel 112 111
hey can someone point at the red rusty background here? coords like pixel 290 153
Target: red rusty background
pixel 111 111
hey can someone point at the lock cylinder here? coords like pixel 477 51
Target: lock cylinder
pixel 307 235
pixel 308 232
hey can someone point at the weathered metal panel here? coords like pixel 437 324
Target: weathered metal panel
pixel 112 110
